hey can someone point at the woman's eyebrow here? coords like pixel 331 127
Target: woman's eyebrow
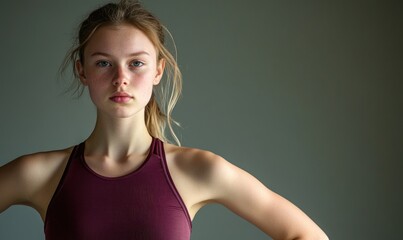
pixel 129 55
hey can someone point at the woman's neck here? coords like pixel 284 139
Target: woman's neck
pixel 118 137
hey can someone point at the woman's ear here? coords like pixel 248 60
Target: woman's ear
pixel 160 71
pixel 80 71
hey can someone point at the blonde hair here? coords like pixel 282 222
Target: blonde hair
pixel 163 100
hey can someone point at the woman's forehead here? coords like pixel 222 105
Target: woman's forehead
pixel 120 39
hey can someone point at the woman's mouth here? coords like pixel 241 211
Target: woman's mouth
pixel 121 97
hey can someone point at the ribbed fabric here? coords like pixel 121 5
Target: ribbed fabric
pixel 142 205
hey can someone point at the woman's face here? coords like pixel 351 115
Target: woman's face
pixel 120 69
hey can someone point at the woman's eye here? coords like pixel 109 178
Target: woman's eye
pixel 103 64
pixel 137 63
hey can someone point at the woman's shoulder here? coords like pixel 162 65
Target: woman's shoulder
pixel 35 169
pixel 189 155
pixel 195 162
pixel 202 176
pixel 39 165
pixel 27 179
pixel 195 172
pixel 42 160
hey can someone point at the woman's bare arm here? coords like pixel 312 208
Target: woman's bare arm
pixel 16 181
pixel 246 196
pixel 31 180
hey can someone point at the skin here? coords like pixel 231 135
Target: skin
pixel 121 59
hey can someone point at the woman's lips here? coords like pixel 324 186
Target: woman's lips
pixel 121 97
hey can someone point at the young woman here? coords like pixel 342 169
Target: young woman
pixel 125 181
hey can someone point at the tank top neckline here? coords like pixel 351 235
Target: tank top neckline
pixel 151 151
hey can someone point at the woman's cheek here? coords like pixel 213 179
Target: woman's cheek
pixel 144 89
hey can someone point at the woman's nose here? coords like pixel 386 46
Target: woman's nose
pixel 120 77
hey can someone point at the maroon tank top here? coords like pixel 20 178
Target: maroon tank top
pixel 143 204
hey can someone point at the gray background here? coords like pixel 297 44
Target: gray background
pixel 305 95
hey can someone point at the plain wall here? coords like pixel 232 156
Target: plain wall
pixel 305 95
